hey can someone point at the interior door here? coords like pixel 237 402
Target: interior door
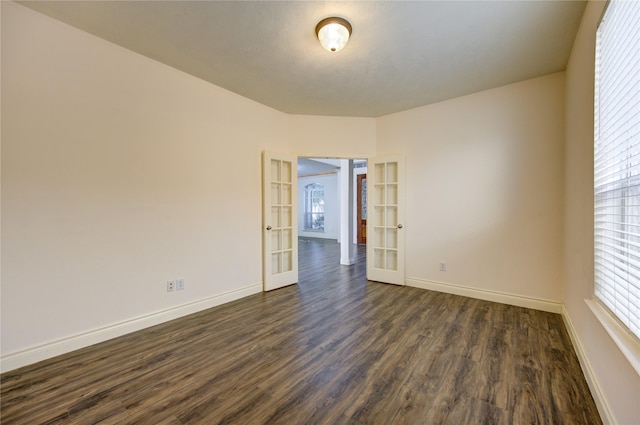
pixel 385 228
pixel 361 208
pixel 279 212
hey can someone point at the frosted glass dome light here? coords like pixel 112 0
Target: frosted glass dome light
pixel 333 33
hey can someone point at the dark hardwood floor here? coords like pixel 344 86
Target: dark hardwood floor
pixel 334 349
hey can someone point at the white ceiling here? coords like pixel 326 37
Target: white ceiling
pixel 315 166
pixel 402 54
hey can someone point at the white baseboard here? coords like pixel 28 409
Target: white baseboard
pixel 65 345
pixel 606 414
pixel 487 295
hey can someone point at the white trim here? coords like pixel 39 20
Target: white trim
pixel 621 336
pixel 606 414
pixel 65 345
pixel 487 295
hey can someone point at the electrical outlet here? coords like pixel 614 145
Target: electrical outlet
pixel 171 285
pixel 180 283
pixel 443 266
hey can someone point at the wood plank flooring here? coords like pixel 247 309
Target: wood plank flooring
pixel 334 349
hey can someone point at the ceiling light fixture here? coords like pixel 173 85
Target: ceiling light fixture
pixel 333 33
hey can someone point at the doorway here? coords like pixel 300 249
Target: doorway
pixel 331 209
pixel 385 247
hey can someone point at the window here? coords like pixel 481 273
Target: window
pixel 314 207
pixel 617 163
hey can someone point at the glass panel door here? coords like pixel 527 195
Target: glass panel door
pixel 385 245
pixel 280 232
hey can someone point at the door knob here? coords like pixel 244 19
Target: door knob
pixel 399 226
pixel 269 227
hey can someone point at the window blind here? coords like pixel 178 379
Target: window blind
pixel 617 162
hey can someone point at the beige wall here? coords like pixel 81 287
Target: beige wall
pixel 617 380
pixel 484 187
pixel 317 136
pixel 119 173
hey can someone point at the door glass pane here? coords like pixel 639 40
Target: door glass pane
pixel 276 218
pixel 378 195
pixel 275 194
pixel 379 216
pixel 392 238
pixel 379 173
pixel 392 172
pixel 287 239
pixel 275 263
pixel 378 237
pixel 276 240
pixel 392 216
pixel 286 172
pixel 392 194
pixel 287 261
pixel 286 217
pixel 391 260
pixel 275 170
pixel 286 194
pixel 378 258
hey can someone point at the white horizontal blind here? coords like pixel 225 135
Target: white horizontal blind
pixel 617 162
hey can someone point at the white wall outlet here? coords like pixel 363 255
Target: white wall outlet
pixel 180 283
pixel 171 285
pixel 443 266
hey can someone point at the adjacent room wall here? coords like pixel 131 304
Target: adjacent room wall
pixel 615 380
pixel 331 206
pixel 120 173
pixel 484 188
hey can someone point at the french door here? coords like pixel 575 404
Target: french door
pixel 279 220
pixel 361 209
pixel 385 221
